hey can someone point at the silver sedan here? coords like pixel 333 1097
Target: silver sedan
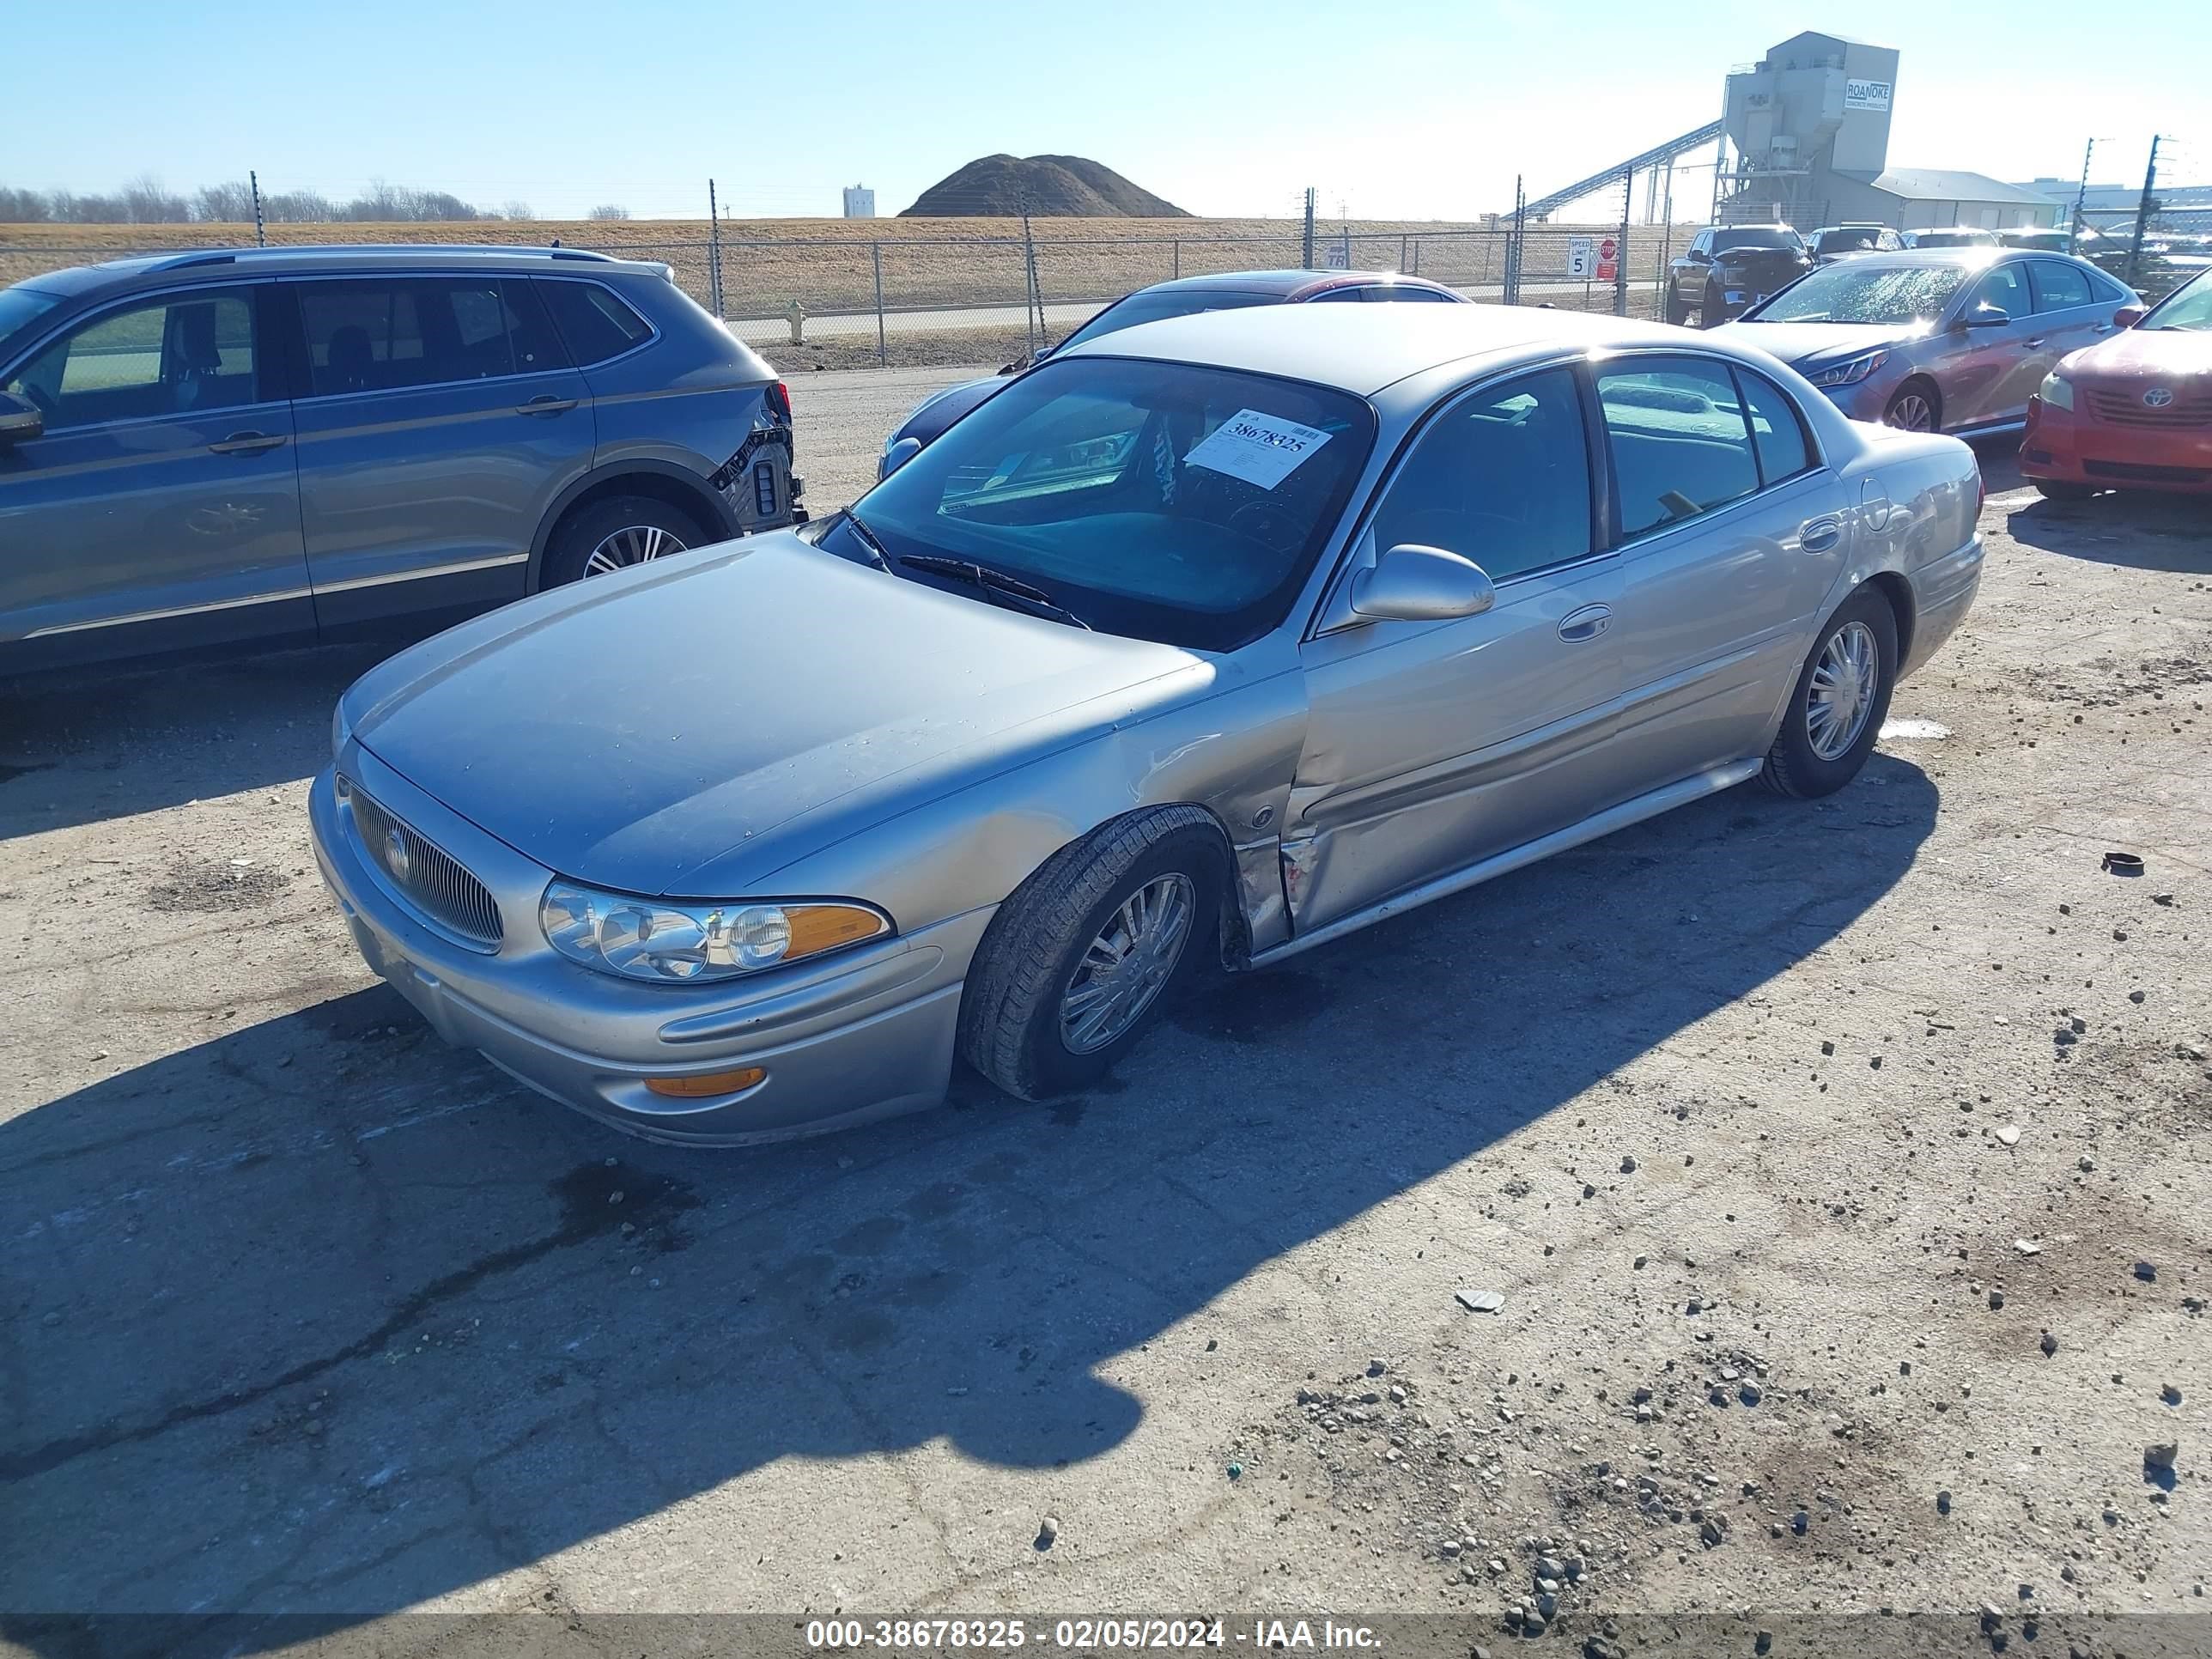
pixel 1197 647
pixel 1951 339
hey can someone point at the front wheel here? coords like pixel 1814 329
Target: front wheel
pixel 1913 408
pixel 1841 699
pixel 1079 962
pixel 1677 312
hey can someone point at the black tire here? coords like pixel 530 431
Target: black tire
pixel 1010 1016
pixel 1677 312
pixel 2060 489
pixel 1927 393
pixel 1793 767
pixel 576 536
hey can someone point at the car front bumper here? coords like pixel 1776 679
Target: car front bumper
pixel 861 1034
pixel 2067 447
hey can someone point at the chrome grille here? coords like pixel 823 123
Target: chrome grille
pixel 429 878
pixel 2190 407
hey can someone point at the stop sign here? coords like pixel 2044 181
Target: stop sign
pixel 1608 248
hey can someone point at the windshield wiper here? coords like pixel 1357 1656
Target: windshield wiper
pixel 995 581
pixel 866 538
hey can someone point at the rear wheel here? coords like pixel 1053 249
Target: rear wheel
pixel 1916 406
pixel 2059 489
pixel 615 533
pixel 1078 965
pixel 1841 699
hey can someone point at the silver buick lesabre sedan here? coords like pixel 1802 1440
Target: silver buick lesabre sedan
pixel 1204 644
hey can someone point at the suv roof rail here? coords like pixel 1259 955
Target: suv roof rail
pixel 355 250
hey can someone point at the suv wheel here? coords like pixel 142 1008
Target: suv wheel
pixel 612 534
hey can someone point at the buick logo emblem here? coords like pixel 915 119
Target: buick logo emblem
pixel 2158 397
pixel 397 857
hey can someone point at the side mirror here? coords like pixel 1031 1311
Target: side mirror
pixel 1698 257
pixel 1413 583
pixel 1986 315
pixel 897 457
pixel 21 420
pixel 2129 316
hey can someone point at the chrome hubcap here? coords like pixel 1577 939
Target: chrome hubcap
pixel 1842 694
pixel 1912 413
pixel 632 544
pixel 1128 964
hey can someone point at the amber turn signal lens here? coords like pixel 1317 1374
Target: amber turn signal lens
pixel 713 1083
pixel 818 928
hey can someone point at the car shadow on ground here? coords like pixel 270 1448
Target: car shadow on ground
pixel 86 745
pixel 2137 530
pixel 322 1319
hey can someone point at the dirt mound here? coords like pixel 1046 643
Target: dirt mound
pixel 1044 186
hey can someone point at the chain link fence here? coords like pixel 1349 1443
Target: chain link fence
pixel 857 300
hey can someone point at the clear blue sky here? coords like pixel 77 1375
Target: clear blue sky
pixel 1407 108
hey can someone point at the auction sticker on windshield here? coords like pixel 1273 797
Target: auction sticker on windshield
pixel 1259 448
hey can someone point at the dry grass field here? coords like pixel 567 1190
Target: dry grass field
pixel 841 264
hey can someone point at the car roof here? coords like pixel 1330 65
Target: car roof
pixel 1363 349
pixel 275 261
pixel 1286 283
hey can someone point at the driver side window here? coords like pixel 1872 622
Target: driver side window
pixel 179 355
pixel 2005 287
pixel 1502 477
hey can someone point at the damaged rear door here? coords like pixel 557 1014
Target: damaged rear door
pixel 1432 744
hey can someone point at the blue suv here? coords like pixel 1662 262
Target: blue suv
pixel 273 445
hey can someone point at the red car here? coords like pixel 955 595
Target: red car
pixel 2132 412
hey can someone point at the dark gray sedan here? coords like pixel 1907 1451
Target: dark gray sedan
pixel 1938 339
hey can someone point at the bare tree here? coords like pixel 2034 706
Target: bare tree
pixel 23 207
pixel 516 210
pixel 230 203
pixel 298 207
pixel 608 211
pixel 146 203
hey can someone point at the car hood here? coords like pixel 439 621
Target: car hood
pixel 929 418
pixel 630 730
pixel 1801 343
pixel 2145 356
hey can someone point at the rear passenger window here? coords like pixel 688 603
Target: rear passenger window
pixel 1680 444
pixel 1777 433
pixel 176 356
pixel 595 324
pixel 2057 287
pixel 382 334
pixel 1501 477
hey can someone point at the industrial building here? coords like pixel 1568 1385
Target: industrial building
pixel 1803 138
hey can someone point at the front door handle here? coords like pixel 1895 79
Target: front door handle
pixel 2036 344
pixel 246 443
pixel 1586 623
pixel 1821 535
pixel 546 405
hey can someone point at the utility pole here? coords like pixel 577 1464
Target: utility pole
pixel 253 183
pixel 1305 260
pixel 2142 212
pixel 2081 199
pixel 1512 288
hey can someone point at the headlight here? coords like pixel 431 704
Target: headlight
pixel 1850 374
pixel 2057 391
pixel 671 942
pixel 341 728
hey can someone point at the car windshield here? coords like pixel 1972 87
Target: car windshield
pixel 1146 306
pixel 21 306
pixel 1726 241
pixel 1862 291
pixel 2187 307
pixel 1843 241
pixel 1157 501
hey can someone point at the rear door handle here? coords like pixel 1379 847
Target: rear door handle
pixel 1821 535
pixel 547 406
pixel 1586 623
pixel 2036 344
pixel 246 443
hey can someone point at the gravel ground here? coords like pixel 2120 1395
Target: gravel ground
pixel 1798 1208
